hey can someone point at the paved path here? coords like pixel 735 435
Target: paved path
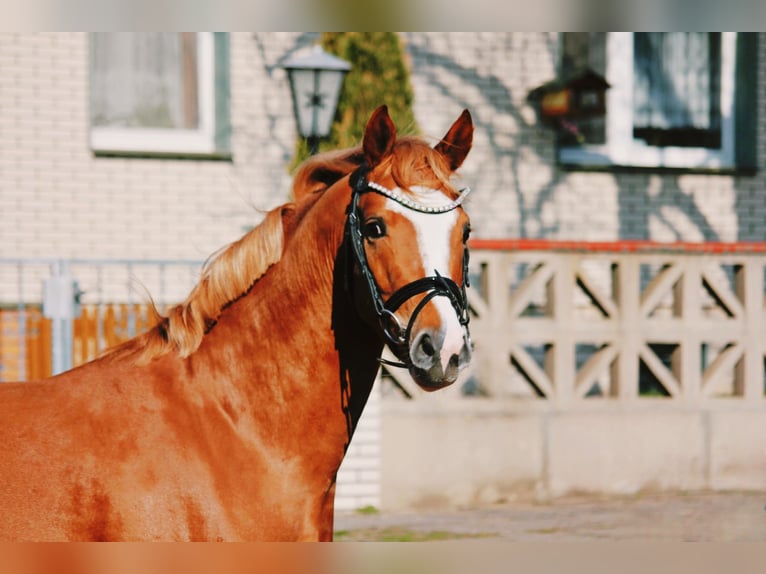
pixel 708 517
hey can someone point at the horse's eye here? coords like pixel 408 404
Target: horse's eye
pixel 374 229
pixel 466 233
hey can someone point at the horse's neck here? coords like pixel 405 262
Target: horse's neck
pixel 295 349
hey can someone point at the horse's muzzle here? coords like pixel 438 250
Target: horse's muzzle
pixel 436 361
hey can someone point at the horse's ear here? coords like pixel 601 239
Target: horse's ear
pixel 457 143
pixel 379 136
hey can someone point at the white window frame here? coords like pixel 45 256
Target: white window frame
pixel 199 141
pixel 622 149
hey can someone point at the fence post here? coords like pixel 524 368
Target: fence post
pixel 749 372
pixel 626 281
pixel 61 305
pixel 22 324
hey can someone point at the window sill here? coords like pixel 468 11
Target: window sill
pixel 196 156
pixel 155 143
pixel 641 160
pixel 661 170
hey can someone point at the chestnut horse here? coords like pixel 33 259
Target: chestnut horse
pixel 230 418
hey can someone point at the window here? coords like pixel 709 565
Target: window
pixel 672 103
pixel 159 93
pixel 676 89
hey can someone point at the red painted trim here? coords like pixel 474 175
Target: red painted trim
pixel 625 246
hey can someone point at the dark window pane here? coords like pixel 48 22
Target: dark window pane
pixel 677 89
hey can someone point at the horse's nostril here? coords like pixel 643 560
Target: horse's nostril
pixel 425 350
pixel 427 346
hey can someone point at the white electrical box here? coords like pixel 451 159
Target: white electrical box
pixel 61 297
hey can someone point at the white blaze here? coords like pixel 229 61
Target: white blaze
pixel 434 231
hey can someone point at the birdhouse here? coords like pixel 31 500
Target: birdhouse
pixel 578 96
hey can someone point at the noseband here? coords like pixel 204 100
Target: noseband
pixel 397 336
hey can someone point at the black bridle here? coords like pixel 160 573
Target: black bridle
pixel 398 336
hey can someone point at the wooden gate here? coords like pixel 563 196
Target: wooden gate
pixel 25 336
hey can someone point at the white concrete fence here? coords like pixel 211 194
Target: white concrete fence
pixel 610 368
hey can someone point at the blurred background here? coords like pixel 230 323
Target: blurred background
pixel 618 252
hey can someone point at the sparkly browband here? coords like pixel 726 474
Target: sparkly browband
pixel 407 202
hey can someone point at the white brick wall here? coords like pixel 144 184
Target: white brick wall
pixel 58 199
pixel 359 475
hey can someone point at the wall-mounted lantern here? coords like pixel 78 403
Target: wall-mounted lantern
pixel 578 96
pixel 315 82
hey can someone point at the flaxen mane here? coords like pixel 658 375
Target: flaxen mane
pixel 226 277
pixel 234 271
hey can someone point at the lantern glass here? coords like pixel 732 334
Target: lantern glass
pixel 315 96
pixel 316 79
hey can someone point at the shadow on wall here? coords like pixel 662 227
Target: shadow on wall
pixel 750 207
pixel 642 197
pixel 514 138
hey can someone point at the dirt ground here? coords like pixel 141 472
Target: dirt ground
pixel 703 517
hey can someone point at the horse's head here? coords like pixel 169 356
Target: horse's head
pixel 408 232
